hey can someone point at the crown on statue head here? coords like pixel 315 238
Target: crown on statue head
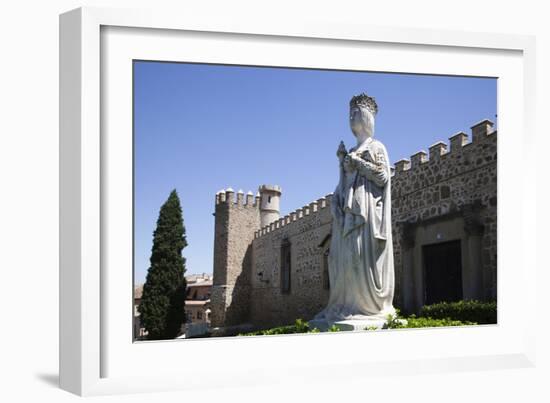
pixel 364 101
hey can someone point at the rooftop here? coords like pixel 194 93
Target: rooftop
pixel 206 283
pixel 138 291
pixel 196 278
pixel 193 302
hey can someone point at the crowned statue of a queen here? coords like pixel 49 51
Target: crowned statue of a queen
pixel 361 271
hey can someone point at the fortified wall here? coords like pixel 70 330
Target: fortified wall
pixel 290 266
pixel 270 270
pixel 233 235
pixel 446 197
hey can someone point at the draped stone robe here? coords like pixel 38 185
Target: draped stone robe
pixel 361 271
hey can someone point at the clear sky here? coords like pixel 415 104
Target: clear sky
pixel 202 128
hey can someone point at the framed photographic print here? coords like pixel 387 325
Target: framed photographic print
pixel 257 192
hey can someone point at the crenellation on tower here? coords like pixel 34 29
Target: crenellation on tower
pixel 240 197
pixel 419 158
pixel 250 199
pixel 309 210
pixel 458 141
pixel 402 165
pixel 313 207
pixel 458 144
pixel 437 150
pixel 229 195
pixel 481 129
pixel 220 196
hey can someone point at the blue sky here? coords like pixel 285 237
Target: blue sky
pixel 202 128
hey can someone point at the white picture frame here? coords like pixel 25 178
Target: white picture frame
pixel 97 357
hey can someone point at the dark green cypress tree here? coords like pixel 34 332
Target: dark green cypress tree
pixel 162 306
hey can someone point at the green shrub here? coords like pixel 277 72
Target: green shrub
pixel 299 326
pixel 276 330
pixel 443 314
pixel 472 311
pixel 394 321
pixel 413 322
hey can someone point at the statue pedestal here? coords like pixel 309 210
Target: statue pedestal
pixel 350 324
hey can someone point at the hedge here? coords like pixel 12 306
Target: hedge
pixel 461 313
pixel 414 322
pixel 472 311
pixel 299 326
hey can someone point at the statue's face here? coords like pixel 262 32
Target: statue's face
pixel 361 121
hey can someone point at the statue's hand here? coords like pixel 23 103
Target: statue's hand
pixel 357 162
pixel 349 164
pixel 342 152
pixel 355 158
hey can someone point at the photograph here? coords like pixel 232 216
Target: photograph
pixel 276 200
pixel 233 201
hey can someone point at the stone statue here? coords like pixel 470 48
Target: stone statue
pixel 361 271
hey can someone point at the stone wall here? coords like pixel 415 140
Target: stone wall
pixel 453 192
pixel 306 230
pixel 236 220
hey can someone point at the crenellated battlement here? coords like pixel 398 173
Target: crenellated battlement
pixel 228 197
pixel 308 210
pixel 438 151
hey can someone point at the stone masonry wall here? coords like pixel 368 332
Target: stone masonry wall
pixel 305 229
pixel 445 183
pixel 234 231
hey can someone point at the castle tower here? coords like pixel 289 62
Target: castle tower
pixel 270 196
pixel 236 220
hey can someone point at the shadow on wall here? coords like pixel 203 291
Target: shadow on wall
pixel 238 312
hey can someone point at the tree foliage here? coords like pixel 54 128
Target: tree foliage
pixel 162 306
